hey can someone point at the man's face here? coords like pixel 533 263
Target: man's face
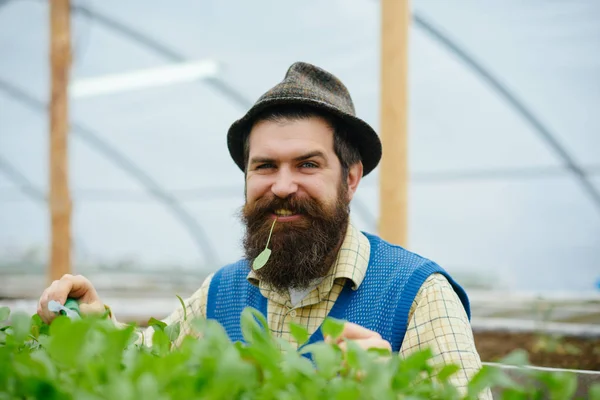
pixel 294 176
pixel 292 158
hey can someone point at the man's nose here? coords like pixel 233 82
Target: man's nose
pixel 284 184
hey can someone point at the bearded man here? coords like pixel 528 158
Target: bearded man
pixel 303 152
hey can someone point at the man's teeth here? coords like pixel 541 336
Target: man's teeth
pixel 283 213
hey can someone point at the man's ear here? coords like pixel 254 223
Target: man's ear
pixel 355 173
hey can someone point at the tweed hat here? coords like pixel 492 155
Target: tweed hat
pixel 307 85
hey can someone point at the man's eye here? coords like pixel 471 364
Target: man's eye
pixel 265 166
pixel 309 164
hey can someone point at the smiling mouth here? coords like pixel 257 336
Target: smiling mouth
pixel 284 213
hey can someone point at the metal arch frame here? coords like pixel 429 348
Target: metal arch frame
pixel 420 22
pixel 95 140
pixel 514 102
pixel 171 55
pixel 161 49
pixel 32 191
pixel 28 188
pixel 435 33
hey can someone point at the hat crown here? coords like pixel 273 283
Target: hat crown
pixel 309 82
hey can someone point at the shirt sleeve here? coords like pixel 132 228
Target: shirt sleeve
pixel 438 320
pixel 195 307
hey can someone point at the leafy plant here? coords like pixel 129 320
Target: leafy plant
pixel 92 359
pixel 554 344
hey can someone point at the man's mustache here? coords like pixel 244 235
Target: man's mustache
pixel 295 204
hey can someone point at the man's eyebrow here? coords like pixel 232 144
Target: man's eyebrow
pixel 312 154
pixel 259 160
pixel 269 160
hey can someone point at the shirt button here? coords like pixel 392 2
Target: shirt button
pixel 293 313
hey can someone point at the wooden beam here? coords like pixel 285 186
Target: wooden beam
pixel 393 197
pixel 59 198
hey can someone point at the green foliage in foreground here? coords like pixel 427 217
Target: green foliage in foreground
pixel 91 359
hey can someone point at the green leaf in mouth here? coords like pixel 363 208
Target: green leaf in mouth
pixel 262 259
pixel 264 255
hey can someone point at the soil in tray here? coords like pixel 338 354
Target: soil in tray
pixel 544 350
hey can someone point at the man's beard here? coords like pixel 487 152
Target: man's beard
pixel 301 250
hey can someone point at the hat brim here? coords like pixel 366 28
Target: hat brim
pixel 360 134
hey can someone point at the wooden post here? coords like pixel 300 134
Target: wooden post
pixel 59 199
pixel 393 196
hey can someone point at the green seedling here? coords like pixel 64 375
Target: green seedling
pixel 94 359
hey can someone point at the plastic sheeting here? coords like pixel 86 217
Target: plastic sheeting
pixel 491 198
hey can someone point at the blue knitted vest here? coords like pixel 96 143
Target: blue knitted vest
pixel 381 303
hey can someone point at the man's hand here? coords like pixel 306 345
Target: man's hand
pixel 365 338
pixel 76 287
